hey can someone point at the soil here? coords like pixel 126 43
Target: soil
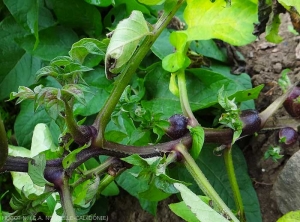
pixel 265 61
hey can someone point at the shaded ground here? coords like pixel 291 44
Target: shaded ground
pixel 265 61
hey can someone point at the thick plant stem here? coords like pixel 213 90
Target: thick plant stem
pixel 66 200
pixel 203 183
pixel 127 73
pixel 184 100
pixel 233 183
pixel 3 144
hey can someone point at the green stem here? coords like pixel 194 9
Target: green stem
pixel 70 121
pixel 202 182
pixel 3 144
pixel 127 73
pixel 184 100
pixel 233 183
pixel 95 171
pixel 66 200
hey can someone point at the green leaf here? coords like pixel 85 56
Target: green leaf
pixel 81 49
pixel 59 38
pixel 214 169
pixel 115 136
pixel 22 94
pixel 231 118
pixel 154 194
pixel 162 46
pixel 247 94
pixel 9 48
pixel 111 190
pixel 294 3
pixel 208 20
pixel 152 2
pixel 202 85
pixel 292 216
pixel 136 160
pixel 209 49
pixel 202 211
pixel 100 3
pixel 198 140
pixel 124 41
pixel 129 182
pixel 26 13
pixel 22 181
pixel 178 59
pixel 22 74
pixel 272 29
pixel 80 15
pixel 284 81
pixel 41 140
pixel 98 92
pixel 71 157
pixel 36 169
pixel 183 211
pixel 28 119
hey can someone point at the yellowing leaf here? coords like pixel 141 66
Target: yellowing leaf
pixel 232 24
pixel 124 42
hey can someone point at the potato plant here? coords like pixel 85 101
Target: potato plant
pixel 137 95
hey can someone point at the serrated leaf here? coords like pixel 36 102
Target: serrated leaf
pixel 198 140
pixel 209 20
pixel 202 211
pixel 124 42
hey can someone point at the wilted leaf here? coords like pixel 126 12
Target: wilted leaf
pixel 124 42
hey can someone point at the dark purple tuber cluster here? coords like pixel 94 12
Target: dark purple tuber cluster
pixel 291 104
pixel 288 136
pixel 251 121
pixel 178 126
